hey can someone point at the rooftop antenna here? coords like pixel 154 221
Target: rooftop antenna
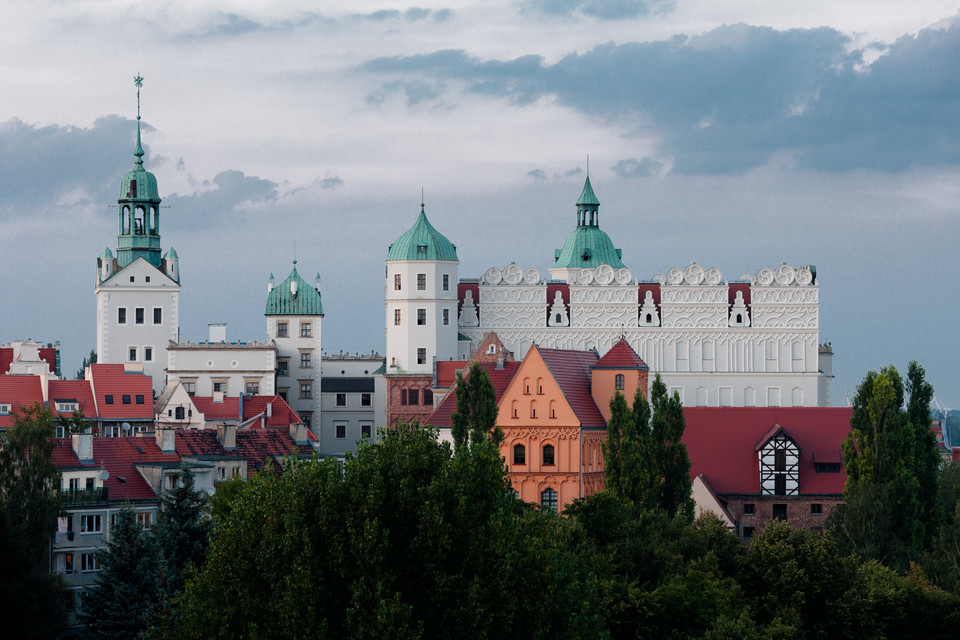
pixel 294 254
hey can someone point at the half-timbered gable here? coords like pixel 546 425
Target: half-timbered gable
pixel 779 458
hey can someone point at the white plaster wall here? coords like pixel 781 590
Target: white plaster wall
pixel 439 340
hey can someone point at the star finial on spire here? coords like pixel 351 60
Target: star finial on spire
pixel 421 199
pixel 138 152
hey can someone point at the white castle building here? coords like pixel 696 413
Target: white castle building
pixel 747 341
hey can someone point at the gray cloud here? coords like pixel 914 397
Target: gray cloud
pixel 724 102
pixel 209 208
pixel 632 168
pixel 41 164
pixel 603 9
pixel 416 91
pixel 331 182
pixel 537 174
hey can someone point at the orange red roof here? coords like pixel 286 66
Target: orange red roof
pixel 621 356
pixel 121 395
pixel 73 391
pixel 19 392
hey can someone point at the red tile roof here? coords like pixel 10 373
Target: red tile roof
pixel 119 456
pixel 227 409
pixel 110 380
pixel 78 391
pixel 721 440
pixel 447 372
pixel 500 378
pixel 571 370
pixel 256 446
pixel 283 415
pixel 18 392
pixel 621 356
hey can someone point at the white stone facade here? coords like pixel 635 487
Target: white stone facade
pixel 137 316
pixel 298 342
pixel 421 314
pixel 230 368
pixel 753 342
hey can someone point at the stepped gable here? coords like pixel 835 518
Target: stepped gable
pixel 500 378
pixel 571 370
pixel 78 391
pixel 621 356
pixel 256 446
pixel 721 444
pixel 18 391
pixel 119 456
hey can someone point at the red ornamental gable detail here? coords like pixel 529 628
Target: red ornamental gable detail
pixel 654 290
pixel 462 291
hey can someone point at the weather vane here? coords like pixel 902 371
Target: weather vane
pixel 138 82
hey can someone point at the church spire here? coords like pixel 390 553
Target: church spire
pixel 139 229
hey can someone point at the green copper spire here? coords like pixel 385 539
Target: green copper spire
pixel 422 242
pixel 587 245
pixel 139 232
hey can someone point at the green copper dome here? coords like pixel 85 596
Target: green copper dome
pixel 587 245
pixel 106 254
pixel 422 242
pixel 294 297
pixel 171 254
pixel 139 184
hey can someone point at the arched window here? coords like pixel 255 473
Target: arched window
pixel 618 382
pixel 533 408
pixel 526 386
pixel 539 386
pixel 548 455
pixel 513 409
pixel 553 408
pixel 519 454
pixel 649 318
pixel 548 500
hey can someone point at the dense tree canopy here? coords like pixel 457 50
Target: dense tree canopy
pixel 476 416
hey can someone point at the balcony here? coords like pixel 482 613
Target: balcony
pixel 85 496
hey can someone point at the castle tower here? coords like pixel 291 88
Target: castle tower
pixel 421 316
pixel 294 314
pixel 586 246
pixel 138 291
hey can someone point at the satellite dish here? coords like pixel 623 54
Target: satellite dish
pixel 126 427
pixel 104 474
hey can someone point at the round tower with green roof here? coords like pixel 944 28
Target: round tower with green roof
pixel 421 299
pixel 587 246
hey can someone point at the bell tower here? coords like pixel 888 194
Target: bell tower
pixel 138 291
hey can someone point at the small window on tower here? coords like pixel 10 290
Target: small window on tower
pixel 139 315
pixel 281 329
pixel 421 317
pixel 133 354
pixel 396 282
pixel 148 354
pixel 421 356
pixel 446 282
pixel 157 315
pixel 396 317
pixel 121 316
pixel 421 282
pixel 618 382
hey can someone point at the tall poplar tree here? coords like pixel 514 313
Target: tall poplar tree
pixel 890 457
pixel 645 461
pixel 476 416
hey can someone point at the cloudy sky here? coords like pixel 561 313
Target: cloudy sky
pixel 738 134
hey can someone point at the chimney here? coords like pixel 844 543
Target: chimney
pixel 227 435
pixel 217 331
pixel 83 446
pixel 501 357
pixel 218 396
pixel 298 431
pixel 270 409
pixel 166 440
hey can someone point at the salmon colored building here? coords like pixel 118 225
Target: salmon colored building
pixel 552 413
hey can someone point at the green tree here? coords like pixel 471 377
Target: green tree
pixel 890 456
pixel 33 603
pixel 476 416
pixel 645 461
pixel 183 529
pixel 89 360
pixel 118 605
pixel 407 540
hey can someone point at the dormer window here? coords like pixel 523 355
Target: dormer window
pixel 66 407
pixel 421 248
pixel 779 464
pixel 5 409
